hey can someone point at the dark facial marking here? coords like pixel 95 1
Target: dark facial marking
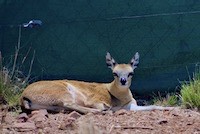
pixel 130 74
pixel 108 64
pixel 115 74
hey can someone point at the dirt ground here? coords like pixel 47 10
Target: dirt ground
pixel 176 121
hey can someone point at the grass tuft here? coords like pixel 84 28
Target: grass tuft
pixel 12 79
pixel 9 94
pixel 190 92
pixel 171 99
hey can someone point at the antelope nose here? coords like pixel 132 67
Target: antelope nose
pixel 123 81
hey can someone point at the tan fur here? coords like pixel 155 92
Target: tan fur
pixel 84 96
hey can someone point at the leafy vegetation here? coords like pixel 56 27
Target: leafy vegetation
pixel 9 95
pixel 189 96
pixel 12 79
pixel 171 99
pixel 190 91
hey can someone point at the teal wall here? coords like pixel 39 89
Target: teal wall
pixel 76 34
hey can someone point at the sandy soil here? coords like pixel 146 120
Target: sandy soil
pixel 176 121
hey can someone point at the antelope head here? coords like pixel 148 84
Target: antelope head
pixel 122 72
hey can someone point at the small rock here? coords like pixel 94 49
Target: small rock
pixel 34 112
pixel 74 115
pixel 121 112
pixel 1 118
pixel 47 130
pixel 175 114
pixel 190 123
pixel 8 119
pixel 39 120
pixel 39 116
pixel 89 114
pixel 27 126
pixel 40 124
pixel 67 123
pixel 23 117
pixel 5 131
pixel 52 123
pixel 109 112
pixel 43 112
pixel 162 121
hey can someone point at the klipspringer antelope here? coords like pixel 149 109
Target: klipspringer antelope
pixel 84 97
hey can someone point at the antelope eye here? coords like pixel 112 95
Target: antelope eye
pixel 115 74
pixel 130 74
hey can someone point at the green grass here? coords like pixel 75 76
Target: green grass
pixel 9 95
pixel 189 96
pixel 190 92
pixel 12 79
pixel 171 99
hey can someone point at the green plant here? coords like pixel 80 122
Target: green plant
pixel 171 99
pixel 190 91
pixel 8 93
pixel 10 89
pixel 12 79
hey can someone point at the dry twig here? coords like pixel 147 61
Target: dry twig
pixel 16 53
pixel 133 127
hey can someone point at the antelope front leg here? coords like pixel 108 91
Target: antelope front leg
pixel 129 105
pixel 132 106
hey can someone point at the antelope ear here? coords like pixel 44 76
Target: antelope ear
pixel 110 61
pixel 135 60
